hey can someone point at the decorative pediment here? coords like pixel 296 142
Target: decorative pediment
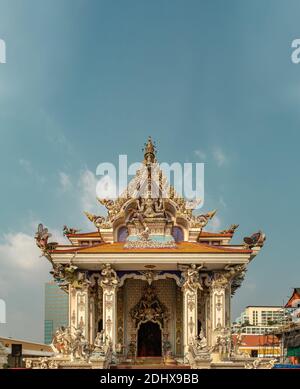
pixel 149 308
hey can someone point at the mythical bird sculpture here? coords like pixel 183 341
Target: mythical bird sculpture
pixel 255 240
pixel 41 237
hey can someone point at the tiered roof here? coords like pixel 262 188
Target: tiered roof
pixel 149 220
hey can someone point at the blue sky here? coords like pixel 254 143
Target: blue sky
pixel 85 81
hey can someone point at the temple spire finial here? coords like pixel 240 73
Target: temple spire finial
pixel 149 151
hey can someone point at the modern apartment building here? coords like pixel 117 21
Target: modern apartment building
pixel 56 310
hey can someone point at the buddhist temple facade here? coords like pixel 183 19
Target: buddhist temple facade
pixel 149 280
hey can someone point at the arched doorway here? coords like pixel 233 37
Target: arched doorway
pixel 149 340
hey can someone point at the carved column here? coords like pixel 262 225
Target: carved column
pixel 109 284
pixel 218 305
pixel 190 317
pixel 79 309
pixel 228 306
pixel 190 306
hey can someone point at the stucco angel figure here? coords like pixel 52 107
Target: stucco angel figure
pixel 109 275
pixel 99 343
pixel 82 280
pixel 61 343
pixel 70 272
pixel 192 278
pixel 201 342
pixel 149 276
pixel 57 342
pixel 99 340
pixel 58 273
pixel 80 346
pixel 222 279
pixel 222 346
pixel 232 271
pixel 141 202
pixel 144 235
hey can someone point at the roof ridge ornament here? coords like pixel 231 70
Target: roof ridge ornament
pixel 202 220
pixel 69 230
pixel 99 222
pixel 149 151
pixel 231 229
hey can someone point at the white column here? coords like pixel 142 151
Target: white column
pixel 109 284
pixel 228 306
pixel 79 309
pixel 110 313
pixel 190 317
pixel 218 306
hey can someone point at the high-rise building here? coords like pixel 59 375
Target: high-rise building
pixel 258 320
pixel 56 310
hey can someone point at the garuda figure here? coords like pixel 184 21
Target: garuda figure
pixel 41 237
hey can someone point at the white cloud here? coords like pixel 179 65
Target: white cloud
pixel 214 224
pixel 200 154
pixel 222 202
pixel 19 250
pixel 28 168
pixel 26 165
pixel 22 278
pixel 87 186
pixel 106 188
pixel 219 156
pixel 249 285
pixel 65 182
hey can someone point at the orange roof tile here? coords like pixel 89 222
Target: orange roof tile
pixel 207 234
pixel 258 340
pixel 182 247
pixel 95 234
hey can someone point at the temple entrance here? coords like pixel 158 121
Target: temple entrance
pixel 149 340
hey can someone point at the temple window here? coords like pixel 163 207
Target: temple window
pixel 177 234
pixel 122 234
